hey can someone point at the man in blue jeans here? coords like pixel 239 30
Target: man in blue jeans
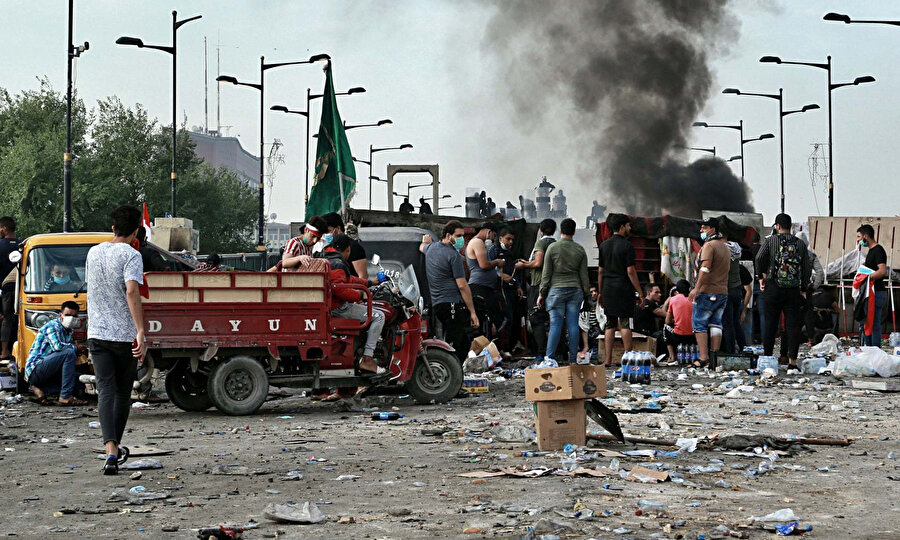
pixel 564 285
pixel 711 291
pixel 50 367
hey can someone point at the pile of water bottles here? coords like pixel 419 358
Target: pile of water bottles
pixel 636 367
pixel 687 354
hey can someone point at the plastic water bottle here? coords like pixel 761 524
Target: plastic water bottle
pixel 895 339
pixel 680 354
pixel 648 365
pixel 386 416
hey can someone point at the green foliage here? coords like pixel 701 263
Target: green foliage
pixel 122 156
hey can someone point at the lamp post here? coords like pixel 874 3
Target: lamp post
pixel 698 149
pixel 409 189
pixel 310 97
pixel 71 52
pixel 827 67
pixel 781 114
pixel 740 128
pixel 373 150
pixel 263 66
pixel 385 122
pixel 173 50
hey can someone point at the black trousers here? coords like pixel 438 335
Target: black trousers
pixel 733 339
pixel 540 320
pixel 454 317
pixel 8 326
pixel 488 304
pixel 116 370
pixel 775 302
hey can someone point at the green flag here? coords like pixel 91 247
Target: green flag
pixel 335 173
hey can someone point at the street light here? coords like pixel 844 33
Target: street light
pixel 409 189
pixel 740 128
pixel 72 51
pixel 385 122
pixel 173 50
pixel 263 66
pixel 697 148
pixel 839 17
pixel 781 114
pixel 827 67
pixel 310 97
pixel 373 150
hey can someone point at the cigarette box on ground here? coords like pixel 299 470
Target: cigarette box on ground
pixel 559 423
pixel 575 381
pixel 7 381
pixel 475 386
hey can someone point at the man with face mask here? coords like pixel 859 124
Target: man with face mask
pixel 451 299
pixel 876 259
pixel 359 267
pixel 50 367
pixel 62 279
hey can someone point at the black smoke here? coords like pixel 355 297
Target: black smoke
pixel 627 77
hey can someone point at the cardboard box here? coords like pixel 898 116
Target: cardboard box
pixel 559 423
pixel 7 381
pixel 639 342
pixel 478 344
pixel 574 381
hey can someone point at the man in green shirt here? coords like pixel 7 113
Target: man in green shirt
pixel 565 285
pixel 537 315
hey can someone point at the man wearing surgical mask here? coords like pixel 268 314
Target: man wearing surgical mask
pixel 451 298
pixel 359 267
pixel 62 279
pixel 50 367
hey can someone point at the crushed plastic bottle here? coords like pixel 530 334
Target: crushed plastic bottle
pixel 790 528
pixel 386 416
pixel 652 508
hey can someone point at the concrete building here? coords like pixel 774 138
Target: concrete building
pixel 277 235
pixel 226 152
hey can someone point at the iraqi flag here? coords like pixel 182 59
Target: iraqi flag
pixel 864 299
pixel 145 221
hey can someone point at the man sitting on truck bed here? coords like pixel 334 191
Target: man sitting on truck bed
pixel 298 251
pixel 344 300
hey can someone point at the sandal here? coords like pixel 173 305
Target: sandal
pixel 71 402
pixel 331 397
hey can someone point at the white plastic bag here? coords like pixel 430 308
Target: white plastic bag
pixel 601 317
pixel 866 362
pixel 830 345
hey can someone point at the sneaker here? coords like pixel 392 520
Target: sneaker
pixel 111 467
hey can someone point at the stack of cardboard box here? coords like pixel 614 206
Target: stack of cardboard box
pixel 558 395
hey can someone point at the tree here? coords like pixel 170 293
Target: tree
pixel 122 156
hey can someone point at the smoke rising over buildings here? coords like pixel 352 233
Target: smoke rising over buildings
pixel 627 77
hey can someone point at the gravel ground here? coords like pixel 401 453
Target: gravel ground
pixel 400 479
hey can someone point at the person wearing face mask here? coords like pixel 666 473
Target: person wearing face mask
pixel 451 298
pixel 298 251
pixel 61 279
pixel 359 266
pixel 50 367
pixel 710 293
pixel 481 258
pixel 876 259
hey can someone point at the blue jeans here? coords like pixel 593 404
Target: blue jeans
pixel 881 298
pixel 564 304
pixel 56 373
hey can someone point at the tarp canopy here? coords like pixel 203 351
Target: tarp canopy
pixel 662 226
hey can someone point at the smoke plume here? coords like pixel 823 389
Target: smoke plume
pixel 627 77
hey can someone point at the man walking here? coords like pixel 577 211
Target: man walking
pixel 710 293
pixel 877 260
pixel 783 268
pixel 451 299
pixel 8 244
pixel 617 282
pixel 537 315
pixel 116 331
pixel 565 285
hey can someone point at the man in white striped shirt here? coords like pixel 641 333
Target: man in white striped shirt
pixel 299 249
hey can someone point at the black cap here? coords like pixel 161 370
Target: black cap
pixel 710 222
pixel 340 242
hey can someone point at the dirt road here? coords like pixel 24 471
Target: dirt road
pixel 400 479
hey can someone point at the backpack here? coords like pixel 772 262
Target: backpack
pixel 787 264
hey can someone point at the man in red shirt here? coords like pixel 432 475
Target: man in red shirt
pixel 344 300
pixel 299 249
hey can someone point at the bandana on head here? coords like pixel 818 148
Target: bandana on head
pixel 735 250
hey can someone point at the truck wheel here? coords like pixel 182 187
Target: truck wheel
pixel 187 390
pixel 447 379
pixel 238 386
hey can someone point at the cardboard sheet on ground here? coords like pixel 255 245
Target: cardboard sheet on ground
pixel 509 471
pixel 139 450
pixel 647 476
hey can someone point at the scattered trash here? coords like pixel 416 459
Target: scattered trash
pixel 386 416
pixel 291 513
pixel 646 476
pixel 785 514
pixel 792 527
pixel 652 508
pixel 143 464
pixel 866 362
pixel 237 470
pixel 94 425
pixel 347 477
pixel 510 433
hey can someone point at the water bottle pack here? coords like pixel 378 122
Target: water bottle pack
pixel 636 367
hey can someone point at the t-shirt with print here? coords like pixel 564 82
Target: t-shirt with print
pixel 716 282
pixel 541 246
pixel 681 308
pixel 443 266
pixel 108 266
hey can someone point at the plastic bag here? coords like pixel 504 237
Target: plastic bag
pixel 866 362
pixel 601 317
pixel 830 345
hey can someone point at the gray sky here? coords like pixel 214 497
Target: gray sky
pixel 424 65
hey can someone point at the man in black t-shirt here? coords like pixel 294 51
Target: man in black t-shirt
pixel 8 244
pixel 651 314
pixel 617 282
pixel 359 267
pixel 876 259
